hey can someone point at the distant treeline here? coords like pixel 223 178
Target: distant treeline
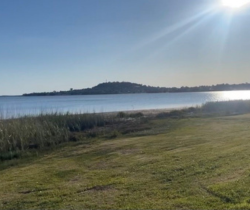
pixel 127 87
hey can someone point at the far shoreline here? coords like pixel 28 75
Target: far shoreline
pixel 132 88
pixel 103 94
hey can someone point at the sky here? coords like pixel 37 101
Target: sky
pixel 52 45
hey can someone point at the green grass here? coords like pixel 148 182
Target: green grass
pixel 176 163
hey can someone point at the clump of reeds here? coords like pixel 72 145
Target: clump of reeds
pixel 21 134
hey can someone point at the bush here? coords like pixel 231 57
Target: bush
pixel 114 134
pixel 136 115
pixel 121 115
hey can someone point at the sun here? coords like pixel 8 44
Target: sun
pixel 235 3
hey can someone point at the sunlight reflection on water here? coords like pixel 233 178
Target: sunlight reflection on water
pixel 235 95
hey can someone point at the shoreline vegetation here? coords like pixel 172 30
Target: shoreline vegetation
pixel 190 158
pixel 45 130
pixel 128 88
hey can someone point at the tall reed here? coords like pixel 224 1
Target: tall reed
pixel 21 134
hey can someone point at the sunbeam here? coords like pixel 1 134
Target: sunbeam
pixel 225 25
pixel 181 32
pixel 174 28
pixel 173 33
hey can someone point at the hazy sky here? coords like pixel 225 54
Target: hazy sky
pixel 48 45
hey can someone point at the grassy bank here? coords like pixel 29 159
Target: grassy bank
pixel 190 163
pixel 195 158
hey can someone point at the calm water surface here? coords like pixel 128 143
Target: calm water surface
pixel 18 105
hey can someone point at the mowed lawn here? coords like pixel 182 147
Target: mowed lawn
pixel 196 163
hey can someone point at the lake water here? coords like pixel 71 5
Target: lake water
pixel 18 105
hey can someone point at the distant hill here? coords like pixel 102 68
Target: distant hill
pixel 107 88
pixel 128 87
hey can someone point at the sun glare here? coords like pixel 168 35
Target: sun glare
pixel 236 95
pixel 235 3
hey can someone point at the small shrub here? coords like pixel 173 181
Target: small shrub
pixel 114 134
pixel 9 155
pixel 92 134
pixel 171 114
pixel 121 115
pixel 136 115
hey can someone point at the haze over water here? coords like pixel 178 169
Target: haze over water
pixel 19 106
